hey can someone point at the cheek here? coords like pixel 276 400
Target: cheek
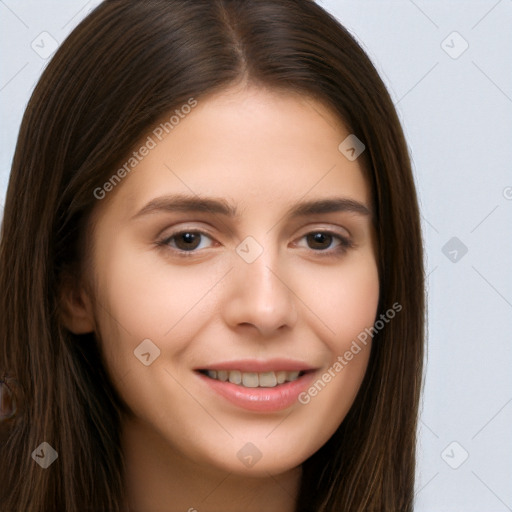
pixel 343 299
pixel 347 307
pixel 143 297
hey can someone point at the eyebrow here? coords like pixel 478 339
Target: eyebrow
pixel 184 203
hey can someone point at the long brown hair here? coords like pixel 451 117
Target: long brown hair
pixel 128 63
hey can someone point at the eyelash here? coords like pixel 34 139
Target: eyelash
pixel 344 245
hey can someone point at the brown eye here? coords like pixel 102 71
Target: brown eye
pixel 326 243
pixel 319 240
pixel 187 241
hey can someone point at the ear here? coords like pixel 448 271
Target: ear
pixel 76 309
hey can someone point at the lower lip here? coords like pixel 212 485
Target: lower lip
pixel 259 399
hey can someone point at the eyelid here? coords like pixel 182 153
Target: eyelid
pixel 317 227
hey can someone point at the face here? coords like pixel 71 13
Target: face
pixel 226 308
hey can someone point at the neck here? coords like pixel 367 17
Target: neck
pixel 158 478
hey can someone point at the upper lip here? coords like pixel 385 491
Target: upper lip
pixel 259 366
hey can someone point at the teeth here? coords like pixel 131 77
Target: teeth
pixel 250 380
pixel 267 379
pixel 222 375
pixel 293 376
pixel 253 379
pixel 281 377
pixel 235 377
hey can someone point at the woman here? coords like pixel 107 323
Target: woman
pixel 277 363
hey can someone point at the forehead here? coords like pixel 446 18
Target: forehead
pixel 252 146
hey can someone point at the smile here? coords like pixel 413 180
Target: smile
pixel 258 386
pixel 268 379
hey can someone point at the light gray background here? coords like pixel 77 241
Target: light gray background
pixel 456 111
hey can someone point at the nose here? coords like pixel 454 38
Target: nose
pixel 260 295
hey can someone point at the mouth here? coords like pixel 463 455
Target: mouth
pixel 269 379
pixel 263 387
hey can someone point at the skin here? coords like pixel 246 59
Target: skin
pixel 263 151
